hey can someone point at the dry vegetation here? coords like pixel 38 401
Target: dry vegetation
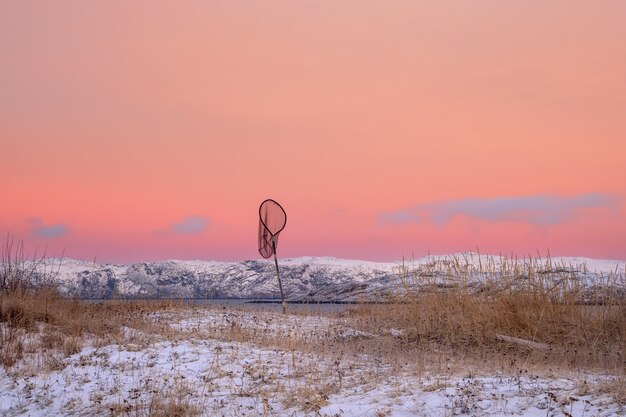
pixel 524 313
pixel 34 318
pixel 66 323
pixel 523 317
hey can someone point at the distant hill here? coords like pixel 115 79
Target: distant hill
pixel 311 278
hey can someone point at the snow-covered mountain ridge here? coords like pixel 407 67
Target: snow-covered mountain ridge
pixel 312 278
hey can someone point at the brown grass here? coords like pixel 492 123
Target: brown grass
pixel 35 319
pixel 63 323
pixel 153 400
pixel 517 316
pixel 560 322
pixel 616 388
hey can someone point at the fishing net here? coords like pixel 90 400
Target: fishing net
pixel 272 220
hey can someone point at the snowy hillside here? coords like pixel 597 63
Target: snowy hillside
pixel 310 278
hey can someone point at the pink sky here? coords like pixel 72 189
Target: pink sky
pixel 153 130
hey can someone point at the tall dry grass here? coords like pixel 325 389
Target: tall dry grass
pixel 508 312
pixel 32 309
pixel 17 273
pixel 529 311
pixel 511 315
pixel 64 324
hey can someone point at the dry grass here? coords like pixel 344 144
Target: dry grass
pixel 309 399
pixel 151 399
pixel 533 313
pixel 64 324
pixel 518 316
pixel 616 388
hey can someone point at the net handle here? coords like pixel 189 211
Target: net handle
pixel 280 284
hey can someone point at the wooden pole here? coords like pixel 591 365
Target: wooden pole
pixel 280 284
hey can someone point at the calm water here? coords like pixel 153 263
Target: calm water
pixel 273 305
pixel 252 304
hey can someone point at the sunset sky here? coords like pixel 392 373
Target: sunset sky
pixel 150 130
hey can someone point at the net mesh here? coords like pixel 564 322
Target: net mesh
pixel 272 220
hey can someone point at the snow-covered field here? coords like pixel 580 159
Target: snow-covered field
pixel 196 364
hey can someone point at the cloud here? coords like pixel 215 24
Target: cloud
pixel 544 209
pixel 190 225
pixel 48 231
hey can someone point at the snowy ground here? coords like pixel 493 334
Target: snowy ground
pixel 194 367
